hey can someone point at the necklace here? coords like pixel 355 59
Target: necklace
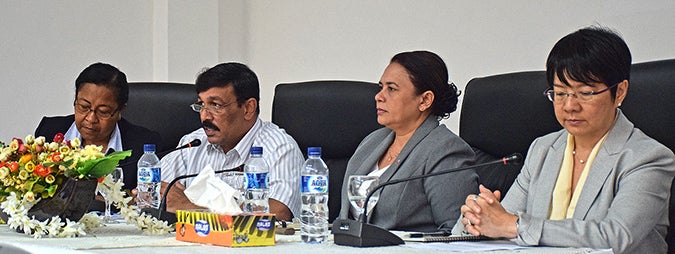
pixel 574 153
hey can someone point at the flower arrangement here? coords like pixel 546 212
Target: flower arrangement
pixel 34 170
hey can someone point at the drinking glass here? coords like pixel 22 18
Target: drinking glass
pixel 117 176
pixel 237 181
pixel 359 187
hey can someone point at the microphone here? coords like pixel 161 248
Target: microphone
pixel 361 234
pixel 194 143
pixel 170 218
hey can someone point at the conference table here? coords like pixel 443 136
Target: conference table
pixel 122 238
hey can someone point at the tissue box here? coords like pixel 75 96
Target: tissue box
pixel 240 230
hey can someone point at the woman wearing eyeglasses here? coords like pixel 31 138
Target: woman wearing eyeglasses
pixel 101 94
pixel 599 182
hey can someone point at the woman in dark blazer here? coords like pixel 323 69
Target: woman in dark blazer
pixel 101 94
pixel 415 95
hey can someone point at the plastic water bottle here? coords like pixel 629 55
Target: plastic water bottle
pixel 314 193
pixel 149 178
pixel 256 196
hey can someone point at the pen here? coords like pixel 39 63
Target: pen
pixel 418 235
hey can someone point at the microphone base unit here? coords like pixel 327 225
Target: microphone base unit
pixel 359 234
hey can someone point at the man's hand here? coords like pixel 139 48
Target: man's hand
pixel 280 210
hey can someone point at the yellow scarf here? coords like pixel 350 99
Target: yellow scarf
pixel 564 201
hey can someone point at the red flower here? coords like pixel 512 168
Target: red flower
pixel 42 171
pixel 13 166
pixel 100 179
pixel 58 137
pixel 22 149
pixel 18 140
pixel 56 157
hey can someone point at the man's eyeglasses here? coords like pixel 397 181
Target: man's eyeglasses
pixel 213 108
pixel 100 113
pixel 582 96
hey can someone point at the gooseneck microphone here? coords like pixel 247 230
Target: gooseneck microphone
pixel 162 203
pixel 193 143
pixel 361 234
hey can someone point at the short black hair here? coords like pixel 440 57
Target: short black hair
pixel 106 75
pixel 239 76
pixel 428 72
pixel 592 54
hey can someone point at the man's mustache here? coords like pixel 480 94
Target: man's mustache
pixel 209 124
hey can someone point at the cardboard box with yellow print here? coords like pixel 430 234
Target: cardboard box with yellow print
pixel 241 230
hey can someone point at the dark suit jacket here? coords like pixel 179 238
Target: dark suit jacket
pixel 133 138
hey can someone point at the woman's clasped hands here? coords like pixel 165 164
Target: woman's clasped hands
pixel 484 215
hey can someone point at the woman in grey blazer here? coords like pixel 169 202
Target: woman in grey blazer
pixel 599 182
pixel 415 95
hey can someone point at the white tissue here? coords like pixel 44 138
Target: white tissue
pixel 211 192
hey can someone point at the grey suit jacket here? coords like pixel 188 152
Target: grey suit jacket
pixel 420 205
pixel 623 204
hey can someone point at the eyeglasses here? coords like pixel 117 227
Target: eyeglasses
pixel 582 96
pixel 101 114
pixel 213 108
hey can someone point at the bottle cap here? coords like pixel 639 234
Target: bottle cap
pixel 256 150
pixel 149 148
pixel 314 151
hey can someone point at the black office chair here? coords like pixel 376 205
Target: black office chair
pixel 335 115
pixel 650 106
pixel 501 115
pixel 164 108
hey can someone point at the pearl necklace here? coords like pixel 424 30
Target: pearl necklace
pixel 574 153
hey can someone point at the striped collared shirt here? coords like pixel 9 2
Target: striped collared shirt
pixel 280 151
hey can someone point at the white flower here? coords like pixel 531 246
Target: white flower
pixel 72 229
pixel 91 220
pixel 29 139
pixel 40 140
pixel 75 142
pixel 17 209
pixel 53 146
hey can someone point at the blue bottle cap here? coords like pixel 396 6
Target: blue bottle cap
pixel 314 151
pixel 148 147
pixel 256 150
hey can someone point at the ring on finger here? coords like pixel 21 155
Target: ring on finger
pixel 468 222
pixel 475 197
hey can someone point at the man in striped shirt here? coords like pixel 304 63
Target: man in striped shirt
pixel 227 103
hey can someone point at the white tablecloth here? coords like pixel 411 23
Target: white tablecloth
pixel 121 238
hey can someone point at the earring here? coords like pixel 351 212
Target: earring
pixel 619 104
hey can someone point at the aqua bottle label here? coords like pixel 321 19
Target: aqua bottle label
pixel 257 181
pixel 149 175
pixel 314 184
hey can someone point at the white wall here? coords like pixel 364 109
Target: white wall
pixel 353 39
pixel 44 45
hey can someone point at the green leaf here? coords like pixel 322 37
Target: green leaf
pixel 102 166
pixel 38 188
pixel 51 190
pixel 29 184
